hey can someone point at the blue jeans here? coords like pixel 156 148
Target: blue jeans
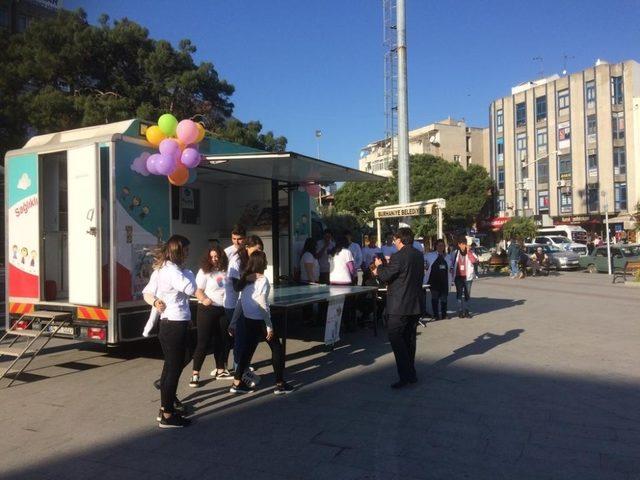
pixel 515 268
pixel 239 340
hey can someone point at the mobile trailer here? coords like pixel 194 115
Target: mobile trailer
pixel 81 225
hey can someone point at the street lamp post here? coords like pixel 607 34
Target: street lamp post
pixel 318 135
pixel 603 194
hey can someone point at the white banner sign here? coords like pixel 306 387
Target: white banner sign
pixel 334 316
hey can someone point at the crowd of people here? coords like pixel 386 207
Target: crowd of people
pixel 233 312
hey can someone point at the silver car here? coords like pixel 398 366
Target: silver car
pixel 560 259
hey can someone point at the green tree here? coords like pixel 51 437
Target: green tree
pixel 520 228
pixel 63 73
pixel 466 191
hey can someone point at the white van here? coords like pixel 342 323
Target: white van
pixel 572 232
pixel 561 242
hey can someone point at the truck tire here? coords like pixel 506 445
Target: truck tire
pixel 591 268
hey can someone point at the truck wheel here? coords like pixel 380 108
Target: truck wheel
pixel 592 268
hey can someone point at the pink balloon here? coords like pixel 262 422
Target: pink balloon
pixel 165 165
pixel 169 147
pixel 190 157
pixel 152 163
pixel 187 131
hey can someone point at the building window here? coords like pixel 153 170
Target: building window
pixel 620 195
pixel 563 101
pixel 564 135
pixel 500 178
pixel 521 146
pixel 592 199
pixel 456 159
pixel 564 167
pixel 500 150
pixel 592 164
pixel 521 114
pixel 617 96
pixel 617 125
pixel 619 161
pixel 23 22
pixel 592 128
pixel 4 18
pixel 541 141
pixel 541 108
pixel 543 201
pixel 590 93
pixel 525 199
pixel 543 170
pixel 566 201
pixel 499 120
pixel 501 203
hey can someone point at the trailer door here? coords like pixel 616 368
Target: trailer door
pixel 83 175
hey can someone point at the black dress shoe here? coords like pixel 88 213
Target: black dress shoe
pixel 399 384
pixel 414 380
pixel 156 384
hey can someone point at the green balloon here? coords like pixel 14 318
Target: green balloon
pixel 168 124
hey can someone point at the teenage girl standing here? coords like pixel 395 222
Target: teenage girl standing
pixel 211 320
pixel 168 291
pixel 253 310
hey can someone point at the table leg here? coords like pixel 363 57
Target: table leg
pixel 284 334
pixel 375 315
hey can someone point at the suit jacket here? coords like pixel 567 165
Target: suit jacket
pixel 403 274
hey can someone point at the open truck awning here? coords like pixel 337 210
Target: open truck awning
pixel 287 167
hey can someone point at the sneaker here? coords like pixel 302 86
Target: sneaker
pixel 224 375
pixel 174 421
pixel 283 389
pixel 240 388
pixel 195 381
pixel 250 378
pixel 178 408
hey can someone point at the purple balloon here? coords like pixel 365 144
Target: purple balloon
pixel 152 163
pixel 165 165
pixel 190 157
pixel 169 147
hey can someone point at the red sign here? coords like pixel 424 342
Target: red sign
pixel 495 223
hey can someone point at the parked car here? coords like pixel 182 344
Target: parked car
pixel 621 254
pixel 560 259
pixel 482 253
pixel 562 242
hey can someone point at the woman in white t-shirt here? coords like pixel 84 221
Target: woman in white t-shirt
pixel 253 311
pixel 309 266
pixel 168 291
pixel 342 265
pixel 210 319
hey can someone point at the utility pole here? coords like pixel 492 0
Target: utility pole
pixel 403 110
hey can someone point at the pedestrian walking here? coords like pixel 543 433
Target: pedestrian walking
pixel 514 252
pixel 463 261
pixel 211 320
pixel 403 275
pixel 438 277
pixel 168 291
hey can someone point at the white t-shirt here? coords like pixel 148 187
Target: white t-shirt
pixel 309 258
pixel 173 286
pixel 213 284
pixel 323 259
pixel 356 251
pixel 254 299
pixel 339 272
pixel 368 254
pixel 387 250
pixel 230 295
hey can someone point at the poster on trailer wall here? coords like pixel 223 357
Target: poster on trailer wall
pixel 23 220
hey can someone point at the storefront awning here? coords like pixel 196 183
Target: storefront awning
pixel 289 167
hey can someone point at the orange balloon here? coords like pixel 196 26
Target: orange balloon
pixel 154 135
pixel 180 176
pixel 201 132
pixel 180 144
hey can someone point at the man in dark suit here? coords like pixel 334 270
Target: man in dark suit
pixel 403 274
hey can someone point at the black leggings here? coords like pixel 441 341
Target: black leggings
pixel 439 298
pixel 212 326
pixel 174 339
pixel 254 332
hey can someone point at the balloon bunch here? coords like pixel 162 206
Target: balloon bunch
pixel 177 143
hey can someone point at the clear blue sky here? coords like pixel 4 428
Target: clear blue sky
pixel 303 65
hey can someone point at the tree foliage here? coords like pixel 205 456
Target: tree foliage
pixel 466 191
pixel 63 73
pixel 520 228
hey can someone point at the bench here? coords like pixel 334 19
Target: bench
pixel 630 268
pixel 496 263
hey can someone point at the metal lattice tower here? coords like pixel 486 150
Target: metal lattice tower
pixel 390 42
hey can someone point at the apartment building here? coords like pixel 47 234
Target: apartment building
pixel 450 139
pixel 569 144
